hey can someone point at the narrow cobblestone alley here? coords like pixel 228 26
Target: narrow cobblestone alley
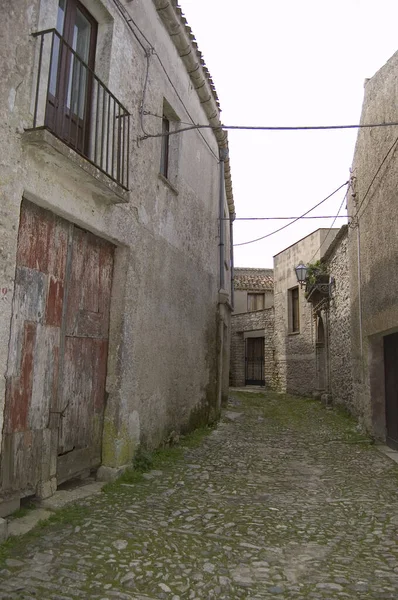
pixel 285 499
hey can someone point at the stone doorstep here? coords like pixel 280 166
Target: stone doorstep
pixel 387 451
pixel 3 530
pixel 249 388
pixel 7 507
pixel 12 527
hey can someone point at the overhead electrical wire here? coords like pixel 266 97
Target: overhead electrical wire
pixel 331 227
pixel 295 219
pixel 273 128
pixel 151 50
pixel 374 177
pixel 283 218
pixel 126 16
pixel 335 217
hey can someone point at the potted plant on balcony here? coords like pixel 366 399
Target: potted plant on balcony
pixel 318 281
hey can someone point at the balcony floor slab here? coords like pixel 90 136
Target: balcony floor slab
pixel 54 151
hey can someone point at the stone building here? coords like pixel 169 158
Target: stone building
pixel 329 296
pixel 115 287
pixel 373 255
pixel 295 336
pixel 252 328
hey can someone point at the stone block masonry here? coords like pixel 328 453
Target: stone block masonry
pixel 340 375
pixel 295 331
pixel 241 324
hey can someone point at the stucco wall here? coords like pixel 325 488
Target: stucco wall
pixel 338 324
pixel 162 365
pixel 377 248
pixel 240 299
pixel 255 324
pixel 295 352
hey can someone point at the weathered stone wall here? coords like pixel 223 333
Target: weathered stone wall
pixel 261 322
pixel 373 246
pixel 338 324
pixel 295 360
pixel 162 363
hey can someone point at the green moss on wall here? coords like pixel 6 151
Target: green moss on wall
pixel 118 448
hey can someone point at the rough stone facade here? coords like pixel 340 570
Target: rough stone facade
pixel 373 247
pixel 256 324
pixel 169 321
pixel 339 372
pixel 248 281
pixel 252 321
pixel 295 358
pixel 317 359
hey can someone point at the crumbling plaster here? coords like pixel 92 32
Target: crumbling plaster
pixel 165 284
pixel 373 246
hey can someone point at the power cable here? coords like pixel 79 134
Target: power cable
pixel 151 50
pixel 141 111
pixel 283 218
pixel 186 110
pixel 374 177
pixel 363 199
pixel 274 128
pixel 295 219
pixel 148 51
pixel 127 17
pixel 331 227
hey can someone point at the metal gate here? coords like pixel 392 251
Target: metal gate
pixel 391 388
pixel 254 361
pixel 58 352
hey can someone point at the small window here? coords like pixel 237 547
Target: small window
pixel 294 310
pixel 164 157
pixel 255 302
pixel 170 145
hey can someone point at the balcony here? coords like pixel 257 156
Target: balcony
pixel 73 104
pixel 318 288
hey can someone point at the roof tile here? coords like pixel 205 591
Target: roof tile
pixel 253 279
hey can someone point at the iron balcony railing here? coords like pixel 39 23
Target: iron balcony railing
pixel 73 103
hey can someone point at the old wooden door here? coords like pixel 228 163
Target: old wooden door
pixel 84 350
pixel 254 361
pixel 58 350
pixel 391 388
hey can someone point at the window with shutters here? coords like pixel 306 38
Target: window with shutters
pixel 164 157
pixel 294 310
pixel 255 302
pixel 170 146
pixel 79 109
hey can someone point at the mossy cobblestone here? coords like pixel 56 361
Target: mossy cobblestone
pixel 288 500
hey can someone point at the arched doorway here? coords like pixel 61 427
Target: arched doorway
pixel 320 354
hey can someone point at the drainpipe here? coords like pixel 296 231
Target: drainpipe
pixel 359 291
pixel 327 343
pixel 223 156
pixel 231 243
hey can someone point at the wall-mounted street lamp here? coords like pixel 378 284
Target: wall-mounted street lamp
pixel 301 274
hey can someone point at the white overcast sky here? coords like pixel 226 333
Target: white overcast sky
pixel 290 62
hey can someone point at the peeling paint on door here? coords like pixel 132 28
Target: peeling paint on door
pixel 58 353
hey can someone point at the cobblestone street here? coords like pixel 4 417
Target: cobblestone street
pixel 285 499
